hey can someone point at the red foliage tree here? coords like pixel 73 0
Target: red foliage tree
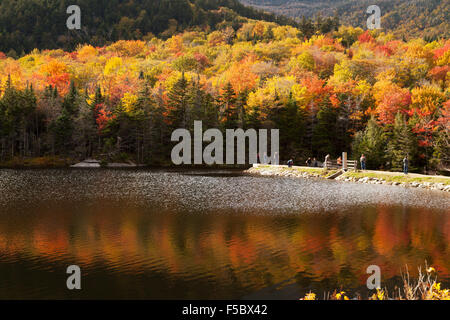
pixel 392 102
pixel 366 38
pixel 103 117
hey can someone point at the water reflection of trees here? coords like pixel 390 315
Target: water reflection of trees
pixel 255 251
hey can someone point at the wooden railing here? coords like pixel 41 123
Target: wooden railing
pixel 352 164
pixel 333 164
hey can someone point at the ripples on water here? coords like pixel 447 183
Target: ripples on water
pixel 209 234
pixel 206 191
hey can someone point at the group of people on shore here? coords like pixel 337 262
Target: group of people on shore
pixel 405 161
pixel 314 163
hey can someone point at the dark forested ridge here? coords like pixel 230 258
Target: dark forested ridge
pixel 408 18
pixel 29 24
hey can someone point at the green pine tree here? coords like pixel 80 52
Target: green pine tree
pixel 177 105
pixel 372 143
pixel 324 132
pixel 229 110
pixel 401 142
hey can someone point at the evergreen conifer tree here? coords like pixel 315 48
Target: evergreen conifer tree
pixel 401 142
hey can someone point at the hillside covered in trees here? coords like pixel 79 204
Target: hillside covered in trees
pixel 429 19
pixel 29 24
pixel 344 90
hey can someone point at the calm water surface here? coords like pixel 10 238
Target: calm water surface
pixel 210 234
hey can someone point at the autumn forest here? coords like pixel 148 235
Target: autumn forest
pixel 335 89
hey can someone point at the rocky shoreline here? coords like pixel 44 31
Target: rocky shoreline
pixel 283 171
pixel 371 180
pixel 92 163
pixel 315 173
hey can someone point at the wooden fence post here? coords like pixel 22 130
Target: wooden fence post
pixel 344 161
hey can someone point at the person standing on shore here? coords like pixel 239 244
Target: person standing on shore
pixel 325 163
pixel 308 162
pixel 290 163
pixel 363 162
pixel 405 164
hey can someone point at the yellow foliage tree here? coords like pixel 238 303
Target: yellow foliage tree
pixel 129 101
pixel 113 66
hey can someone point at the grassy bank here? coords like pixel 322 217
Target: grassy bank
pixel 293 171
pixel 397 177
pixel 40 162
pixel 372 177
pixel 61 162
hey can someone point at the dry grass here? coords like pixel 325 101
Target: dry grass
pixel 296 169
pixel 424 287
pixel 398 177
pixel 40 162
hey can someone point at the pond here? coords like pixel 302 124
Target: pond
pixel 161 234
